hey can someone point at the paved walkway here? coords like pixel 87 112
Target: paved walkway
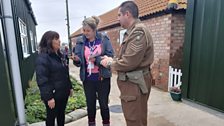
pixel 162 110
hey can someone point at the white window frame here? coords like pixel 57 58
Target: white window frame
pixel 24 38
pixel 32 42
pixel 121 35
pixel 36 43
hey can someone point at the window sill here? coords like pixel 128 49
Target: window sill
pixel 26 55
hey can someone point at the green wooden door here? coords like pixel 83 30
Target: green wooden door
pixel 7 111
pixel 203 79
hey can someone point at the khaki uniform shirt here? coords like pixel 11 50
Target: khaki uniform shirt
pixel 136 50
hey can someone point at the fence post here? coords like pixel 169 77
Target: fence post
pixel 179 73
pixel 174 78
pixel 170 78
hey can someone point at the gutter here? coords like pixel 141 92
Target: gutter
pixel 14 62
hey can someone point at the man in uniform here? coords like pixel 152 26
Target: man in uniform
pixel 133 65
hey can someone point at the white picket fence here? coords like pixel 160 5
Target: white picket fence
pixel 174 77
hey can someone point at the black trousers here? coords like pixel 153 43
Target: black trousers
pixel 100 90
pixel 57 112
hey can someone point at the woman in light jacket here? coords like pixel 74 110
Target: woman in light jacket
pixel 89 49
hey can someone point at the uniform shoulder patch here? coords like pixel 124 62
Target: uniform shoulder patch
pixel 138 38
pixel 137 44
pixel 139 34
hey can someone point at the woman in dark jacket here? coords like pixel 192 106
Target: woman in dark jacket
pixel 89 49
pixel 53 78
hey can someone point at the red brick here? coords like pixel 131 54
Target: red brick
pixel 168 42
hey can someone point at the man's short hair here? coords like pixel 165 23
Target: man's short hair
pixel 129 6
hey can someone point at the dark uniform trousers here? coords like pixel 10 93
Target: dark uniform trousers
pixel 134 103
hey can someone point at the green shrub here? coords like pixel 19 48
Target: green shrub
pixel 77 100
pixel 35 108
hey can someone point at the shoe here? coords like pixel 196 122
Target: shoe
pixel 92 124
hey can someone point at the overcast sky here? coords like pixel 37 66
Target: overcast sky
pixel 51 14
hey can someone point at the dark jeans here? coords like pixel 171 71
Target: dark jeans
pixel 58 112
pixel 100 90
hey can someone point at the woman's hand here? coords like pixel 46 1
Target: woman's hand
pixel 51 103
pixel 74 57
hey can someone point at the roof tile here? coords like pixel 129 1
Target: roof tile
pixel 146 7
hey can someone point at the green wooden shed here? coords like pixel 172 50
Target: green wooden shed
pixel 203 78
pixel 24 32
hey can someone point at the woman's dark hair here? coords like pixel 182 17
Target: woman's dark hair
pixel 131 7
pixel 45 45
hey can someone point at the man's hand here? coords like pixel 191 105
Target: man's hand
pixel 106 61
pixel 51 103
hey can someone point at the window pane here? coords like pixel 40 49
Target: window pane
pixel 24 38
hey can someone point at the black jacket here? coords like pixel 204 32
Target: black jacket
pixel 52 76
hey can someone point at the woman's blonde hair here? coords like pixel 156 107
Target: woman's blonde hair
pixel 91 21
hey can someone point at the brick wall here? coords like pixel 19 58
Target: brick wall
pixel 114 38
pixel 177 40
pixel 168 36
pixel 160 28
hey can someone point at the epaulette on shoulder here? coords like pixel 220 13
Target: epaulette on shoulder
pixel 139 31
pixel 139 25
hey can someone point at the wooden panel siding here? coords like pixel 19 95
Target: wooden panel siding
pixel 203 80
pixel 23 11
